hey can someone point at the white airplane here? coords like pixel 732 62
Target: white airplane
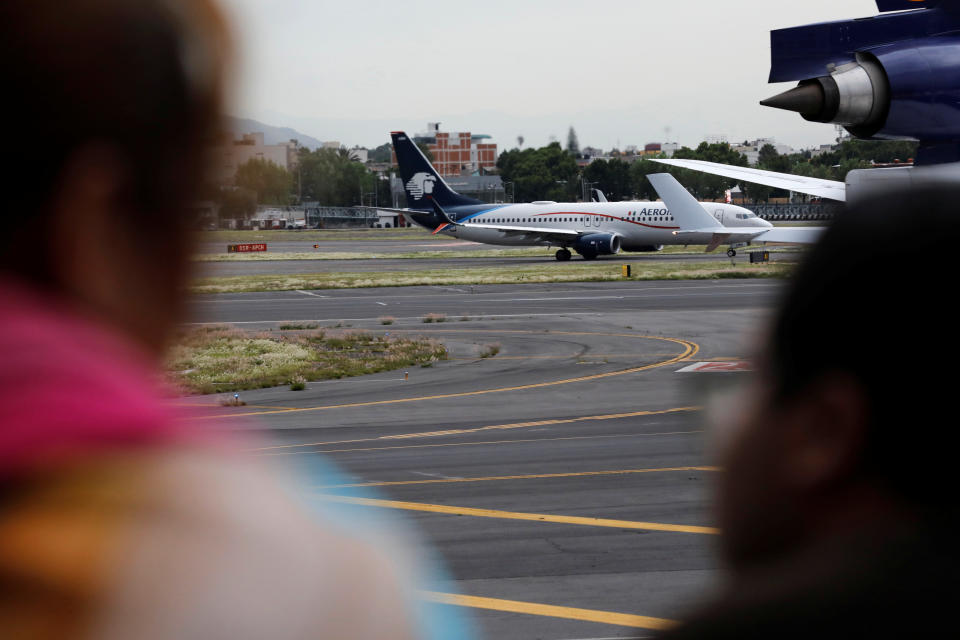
pixel 591 228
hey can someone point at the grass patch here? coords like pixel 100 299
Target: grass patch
pixel 387 320
pixel 490 350
pixel 299 327
pixel 605 271
pixel 222 359
pixel 434 317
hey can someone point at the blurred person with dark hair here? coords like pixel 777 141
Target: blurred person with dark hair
pixel 837 498
pixel 119 516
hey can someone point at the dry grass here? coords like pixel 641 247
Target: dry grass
pixel 220 359
pixel 548 272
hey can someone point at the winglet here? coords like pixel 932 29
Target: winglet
pixel 684 208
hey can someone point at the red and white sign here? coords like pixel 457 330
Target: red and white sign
pixel 732 366
pixel 246 248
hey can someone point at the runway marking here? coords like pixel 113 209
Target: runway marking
pixel 515 515
pixel 382 304
pixel 495 427
pixel 442 477
pixel 690 349
pixel 310 293
pixel 485 316
pixel 542 476
pixel 474 444
pixel 550 611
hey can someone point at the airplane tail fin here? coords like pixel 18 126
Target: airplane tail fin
pixel 689 214
pixel 421 182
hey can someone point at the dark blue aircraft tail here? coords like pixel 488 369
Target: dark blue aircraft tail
pixel 421 182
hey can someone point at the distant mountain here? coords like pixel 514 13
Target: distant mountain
pixel 271 134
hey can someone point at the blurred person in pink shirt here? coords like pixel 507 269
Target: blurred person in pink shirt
pixel 119 517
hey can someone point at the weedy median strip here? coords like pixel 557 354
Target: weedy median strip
pixel 541 273
pixel 220 359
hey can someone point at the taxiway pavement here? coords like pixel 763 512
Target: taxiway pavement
pixel 581 419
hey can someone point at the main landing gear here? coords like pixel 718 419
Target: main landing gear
pixel 563 255
pixel 731 253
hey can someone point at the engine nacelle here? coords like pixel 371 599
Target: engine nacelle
pixel 650 248
pixel 598 244
pixel 896 75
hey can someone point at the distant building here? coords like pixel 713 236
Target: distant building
pixel 751 149
pixel 822 150
pixel 669 148
pixel 230 154
pixel 591 152
pixel 652 149
pixel 331 144
pixel 457 154
pixel 361 154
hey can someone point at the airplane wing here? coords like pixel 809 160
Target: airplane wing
pixel 735 235
pixel 801 184
pixel 791 235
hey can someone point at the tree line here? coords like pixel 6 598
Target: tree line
pixel 552 173
pixel 332 177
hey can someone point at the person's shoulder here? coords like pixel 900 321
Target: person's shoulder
pixel 196 543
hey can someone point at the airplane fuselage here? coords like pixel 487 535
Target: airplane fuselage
pixel 641 226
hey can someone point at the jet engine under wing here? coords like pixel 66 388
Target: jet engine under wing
pixel 801 184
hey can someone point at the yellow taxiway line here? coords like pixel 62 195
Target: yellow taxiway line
pixel 570 613
pixel 513 515
pixel 689 350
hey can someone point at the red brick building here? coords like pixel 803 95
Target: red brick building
pixel 456 154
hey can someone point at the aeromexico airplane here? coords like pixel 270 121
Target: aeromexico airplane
pixel 590 228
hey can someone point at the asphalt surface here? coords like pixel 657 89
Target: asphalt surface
pixel 582 413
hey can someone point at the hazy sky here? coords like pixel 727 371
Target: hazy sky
pixel 619 71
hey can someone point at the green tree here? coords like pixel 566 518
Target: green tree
pixel 547 173
pixel 272 184
pixel 382 154
pixel 613 177
pixel 333 178
pixel 237 203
